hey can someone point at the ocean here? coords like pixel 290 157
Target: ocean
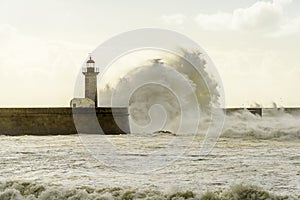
pixel 255 158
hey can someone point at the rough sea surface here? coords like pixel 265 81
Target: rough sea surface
pixel 61 163
pixel 255 158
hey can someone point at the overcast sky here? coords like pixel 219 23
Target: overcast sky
pixel 255 45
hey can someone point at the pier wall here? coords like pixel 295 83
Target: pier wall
pixel 63 121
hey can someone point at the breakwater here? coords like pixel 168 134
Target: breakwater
pixel 63 121
pixel 100 120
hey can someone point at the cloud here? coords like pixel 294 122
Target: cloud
pixel 175 19
pixel 266 17
pixel 260 16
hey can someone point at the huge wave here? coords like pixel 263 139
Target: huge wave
pixel 275 123
pixel 17 190
pixel 174 84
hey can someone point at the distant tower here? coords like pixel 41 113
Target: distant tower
pixel 90 72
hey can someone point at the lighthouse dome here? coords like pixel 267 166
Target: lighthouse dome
pixel 90 60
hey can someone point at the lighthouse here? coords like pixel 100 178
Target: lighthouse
pixel 90 71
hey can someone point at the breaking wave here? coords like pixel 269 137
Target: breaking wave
pixel 160 94
pixel 154 108
pixel 17 190
pixel 274 124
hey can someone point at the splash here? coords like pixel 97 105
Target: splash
pixel 275 124
pixel 155 106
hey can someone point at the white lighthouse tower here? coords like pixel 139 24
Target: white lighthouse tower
pixel 90 72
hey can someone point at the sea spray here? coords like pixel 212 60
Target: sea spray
pixel 274 124
pixel 155 108
pixel 174 72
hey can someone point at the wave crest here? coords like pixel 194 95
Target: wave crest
pixel 30 190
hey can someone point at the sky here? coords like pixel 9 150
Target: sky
pixel 254 44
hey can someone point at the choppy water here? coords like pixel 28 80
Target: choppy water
pixel 60 163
